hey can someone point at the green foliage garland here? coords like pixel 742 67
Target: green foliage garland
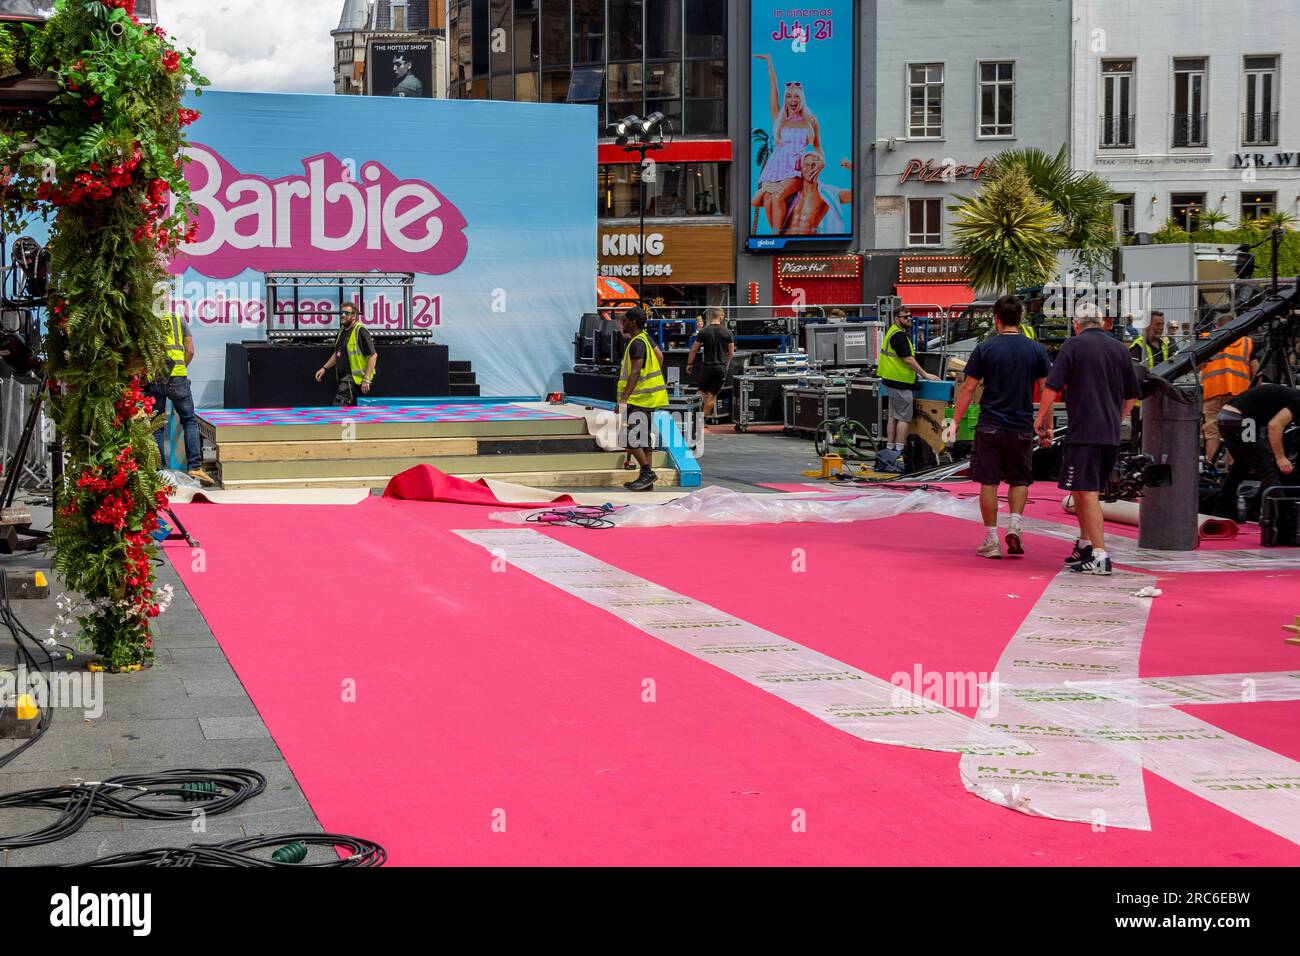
pixel 106 157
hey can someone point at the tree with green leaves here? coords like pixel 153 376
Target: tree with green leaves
pixel 1008 233
pixel 105 157
pixel 1083 201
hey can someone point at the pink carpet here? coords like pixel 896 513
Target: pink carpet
pixel 483 696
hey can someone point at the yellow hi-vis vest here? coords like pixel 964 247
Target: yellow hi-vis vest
pixel 1148 356
pixel 356 359
pixel 174 340
pixel 892 367
pixel 651 390
pixel 1028 332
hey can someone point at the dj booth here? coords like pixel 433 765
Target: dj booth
pixel 280 375
pixel 280 371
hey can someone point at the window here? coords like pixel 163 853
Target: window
pixel 480 41
pixel 1127 210
pixel 706 30
pixel 1116 104
pixel 663 29
pixel 588 32
pixel 1186 209
pixel 1189 102
pixel 679 189
pixel 525 37
pixel 997 99
pixel 503 84
pixel 923 222
pixel 556 36
pixel 1257 205
pixel 1260 119
pixel 625 30
pixel 399 16
pixel 706 92
pixel 925 100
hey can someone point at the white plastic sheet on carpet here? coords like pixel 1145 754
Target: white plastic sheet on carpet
pixel 1064 731
pixel 722 506
pixel 849 699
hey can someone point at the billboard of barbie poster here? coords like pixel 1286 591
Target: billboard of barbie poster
pixel 801 123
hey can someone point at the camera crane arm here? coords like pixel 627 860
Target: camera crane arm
pixel 1269 307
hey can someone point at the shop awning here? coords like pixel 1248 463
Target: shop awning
pixel 939 295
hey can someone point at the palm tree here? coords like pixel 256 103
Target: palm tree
pixel 1277 220
pixel 1083 201
pixel 1008 233
pixel 1212 218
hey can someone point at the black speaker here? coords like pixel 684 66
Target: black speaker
pixel 585 342
pixel 609 350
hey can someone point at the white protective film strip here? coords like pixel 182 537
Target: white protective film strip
pixel 1095 737
pixel 1065 729
pixel 848 699
pixel 1081 627
pixel 721 506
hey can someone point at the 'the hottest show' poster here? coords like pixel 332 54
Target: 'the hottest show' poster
pixel 801 116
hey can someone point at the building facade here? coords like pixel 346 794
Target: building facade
pixel 1183 107
pixel 391 48
pixel 627 57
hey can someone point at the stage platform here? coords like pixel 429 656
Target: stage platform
pixel 526 442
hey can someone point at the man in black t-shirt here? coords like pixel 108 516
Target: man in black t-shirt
pixel 354 357
pixel 719 346
pixel 1095 371
pixel 1252 425
pixel 1010 365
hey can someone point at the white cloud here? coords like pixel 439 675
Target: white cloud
pixel 269 46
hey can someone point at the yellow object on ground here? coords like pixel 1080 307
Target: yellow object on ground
pixel 27 709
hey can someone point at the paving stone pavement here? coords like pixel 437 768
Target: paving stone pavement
pixel 188 710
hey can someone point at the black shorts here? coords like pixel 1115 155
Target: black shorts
pixel 1002 455
pixel 711 378
pixel 640 427
pixel 1087 467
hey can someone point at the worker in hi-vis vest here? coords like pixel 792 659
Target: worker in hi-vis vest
pixel 174 384
pixel 1153 347
pixel 1227 374
pixel 354 357
pixel 898 370
pixel 642 389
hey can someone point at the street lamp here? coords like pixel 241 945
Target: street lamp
pixel 640 136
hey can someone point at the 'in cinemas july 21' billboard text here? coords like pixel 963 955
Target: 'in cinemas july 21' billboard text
pixel 801 121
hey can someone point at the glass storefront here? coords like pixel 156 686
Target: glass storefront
pixel 679 189
pixel 625 56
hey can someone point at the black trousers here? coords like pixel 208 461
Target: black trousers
pixel 1253 459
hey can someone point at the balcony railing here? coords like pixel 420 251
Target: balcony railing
pixel 1117 132
pixel 1259 129
pixel 1190 129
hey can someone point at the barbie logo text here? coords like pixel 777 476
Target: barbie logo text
pixel 326 220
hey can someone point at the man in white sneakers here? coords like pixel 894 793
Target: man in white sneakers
pixel 1010 365
pixel 1101 388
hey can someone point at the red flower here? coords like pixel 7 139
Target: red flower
pixel 171 61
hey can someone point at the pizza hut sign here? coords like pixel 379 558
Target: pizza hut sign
pixel 943 171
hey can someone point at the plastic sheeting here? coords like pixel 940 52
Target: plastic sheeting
pixel 720 506
pixel 849 699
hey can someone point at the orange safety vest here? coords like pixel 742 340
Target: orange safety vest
pixel 1228 373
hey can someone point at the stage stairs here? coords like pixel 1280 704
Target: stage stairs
pixel 528 444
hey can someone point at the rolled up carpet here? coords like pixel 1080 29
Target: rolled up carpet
pixel 1208 527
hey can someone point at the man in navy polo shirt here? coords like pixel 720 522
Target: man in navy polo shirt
pixel 1009 364
pixel 1096 373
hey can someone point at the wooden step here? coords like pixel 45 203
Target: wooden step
pixel 591 478
pixel 403 448
pixel 451 464
pixel 386 430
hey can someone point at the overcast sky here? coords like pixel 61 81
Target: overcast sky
pixel 260 45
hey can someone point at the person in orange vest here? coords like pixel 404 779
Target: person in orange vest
pixel 1227 374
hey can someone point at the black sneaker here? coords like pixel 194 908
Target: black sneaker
pixel 1081 552
pixel 1091 565
pixel 644 482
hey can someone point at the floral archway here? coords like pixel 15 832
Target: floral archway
pixel 102 161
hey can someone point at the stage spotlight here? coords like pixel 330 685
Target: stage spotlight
pixel 624 128
pixel 32 264
pixel 652 122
